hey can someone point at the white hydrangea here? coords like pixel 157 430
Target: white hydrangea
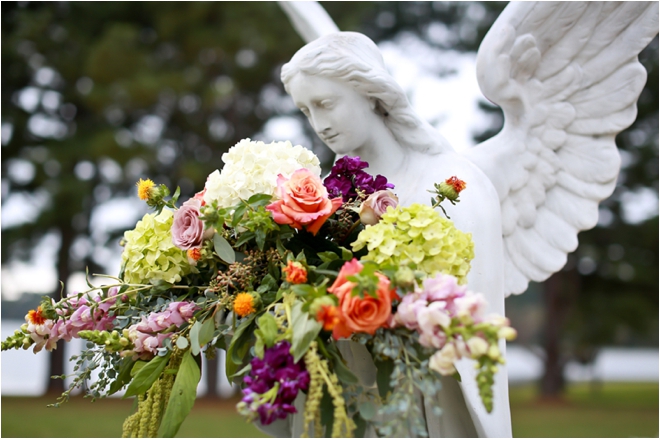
pixel 252 168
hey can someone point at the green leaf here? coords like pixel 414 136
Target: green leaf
pixel 257 200
pixel 245 237
pixel 303 290
pixel 260 236
pixel 367 410
pixel 346 254
pixel 182 343
pixel 327 256
pixel 247 368
pixel 268 327
pixel 304 331
pixel 182 397
pixel 238 215
pixel 176 195
pixel 327 413
pixel 240 334
pixel 269 283
pixel 137 366
pixel 223 249
pixel 360 425
pixel 160 286
pixel 194 338
pixel 384 372
pixel 240 352
pixel 259 344
pixel 206 332
pixel 147 375
pixel 124 375
pixel 343 373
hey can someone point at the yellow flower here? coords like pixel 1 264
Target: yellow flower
pixel 243 304
pixel 144 189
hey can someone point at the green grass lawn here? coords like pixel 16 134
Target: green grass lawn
pixel 612 410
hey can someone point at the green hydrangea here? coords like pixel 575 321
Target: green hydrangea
pixel 418 234
pixel 150 255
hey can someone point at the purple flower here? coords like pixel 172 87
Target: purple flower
pixel 274 383
pixel 347 176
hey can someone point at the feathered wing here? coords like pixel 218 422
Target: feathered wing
pixel 309 19
pixel 567 78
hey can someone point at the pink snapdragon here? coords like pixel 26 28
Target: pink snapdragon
pixel 76 314
pixel 441 307
pixel 148 335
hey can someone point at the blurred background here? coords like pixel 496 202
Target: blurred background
pixel 96 95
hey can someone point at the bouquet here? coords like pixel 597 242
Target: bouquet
pixel 276 267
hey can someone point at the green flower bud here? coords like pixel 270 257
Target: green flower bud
pixel 319 302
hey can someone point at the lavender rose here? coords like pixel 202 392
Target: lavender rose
pixel 187 228
pixel 376 205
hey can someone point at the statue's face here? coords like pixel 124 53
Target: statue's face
pixel 340 116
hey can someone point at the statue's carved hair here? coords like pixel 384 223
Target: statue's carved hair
pixel 354 59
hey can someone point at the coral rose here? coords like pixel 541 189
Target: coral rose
pixel 357 314
pixel 303 201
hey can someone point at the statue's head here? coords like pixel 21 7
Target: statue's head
pixel 349 64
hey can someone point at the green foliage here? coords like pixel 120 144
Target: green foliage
pixel 304 331
pixel 147 375
pixel 182 397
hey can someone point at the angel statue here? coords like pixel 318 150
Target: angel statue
pixel 567 78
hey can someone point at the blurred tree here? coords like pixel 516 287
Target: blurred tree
pixel 97 95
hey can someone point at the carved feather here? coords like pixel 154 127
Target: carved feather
pixel 567 78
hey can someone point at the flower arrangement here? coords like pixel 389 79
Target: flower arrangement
pixel 275 266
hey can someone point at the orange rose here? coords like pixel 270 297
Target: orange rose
pixel 357 314
pixel 303 201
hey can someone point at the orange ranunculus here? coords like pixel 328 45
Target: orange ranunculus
pixel 456 183
pixel 303 201
pixel 295 272
pixel 328 315
pixel 357 314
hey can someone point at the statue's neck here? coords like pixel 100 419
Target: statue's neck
pixel 383 153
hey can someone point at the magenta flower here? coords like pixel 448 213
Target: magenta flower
pixel 347 175
pixel 273 384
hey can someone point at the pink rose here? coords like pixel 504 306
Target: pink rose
pixel 303 201
pixel 373 208
pixel 187 228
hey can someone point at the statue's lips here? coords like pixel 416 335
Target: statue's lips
pixel 327 138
